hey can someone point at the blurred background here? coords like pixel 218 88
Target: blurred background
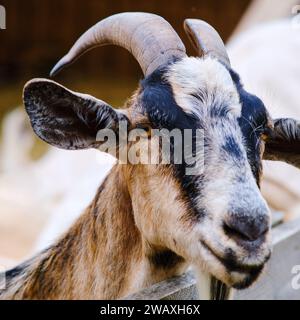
pixel 42 189
pixel 39 32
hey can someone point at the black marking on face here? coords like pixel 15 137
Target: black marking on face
pixel 191 186
pixel 253 122
pixel 219 111
pixel 252 272
pixel 157 101
pixel 232 148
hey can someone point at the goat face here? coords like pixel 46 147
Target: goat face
pixel 216 217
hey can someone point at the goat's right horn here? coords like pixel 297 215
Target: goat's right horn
pixel 206 40
pixel 150 38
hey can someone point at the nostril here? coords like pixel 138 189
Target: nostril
pixel 246 229
pixel 234 233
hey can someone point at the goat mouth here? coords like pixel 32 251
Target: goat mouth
pixel 249 273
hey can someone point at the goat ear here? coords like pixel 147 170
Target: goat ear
pixel 284 142
pixel 66 119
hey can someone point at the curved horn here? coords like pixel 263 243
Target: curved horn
pixel 206 40
pixel 150 38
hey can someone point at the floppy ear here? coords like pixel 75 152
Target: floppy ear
pixel 66 119
pixel 284 142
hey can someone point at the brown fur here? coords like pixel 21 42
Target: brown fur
pixel 103 256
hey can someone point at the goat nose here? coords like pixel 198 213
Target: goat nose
pixel 247 228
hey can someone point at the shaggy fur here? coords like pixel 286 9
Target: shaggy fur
pixel 103 256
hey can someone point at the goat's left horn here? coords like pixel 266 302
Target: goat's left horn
pixel 150 39
pixel 206 40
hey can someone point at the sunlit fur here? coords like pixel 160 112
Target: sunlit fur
pixel 149 222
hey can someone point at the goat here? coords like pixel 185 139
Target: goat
pixel 281 194
pixel 148 222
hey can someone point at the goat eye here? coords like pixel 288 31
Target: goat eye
pixel 265 133
pixel 146 127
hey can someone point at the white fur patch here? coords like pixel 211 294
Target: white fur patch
pixel 207 76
